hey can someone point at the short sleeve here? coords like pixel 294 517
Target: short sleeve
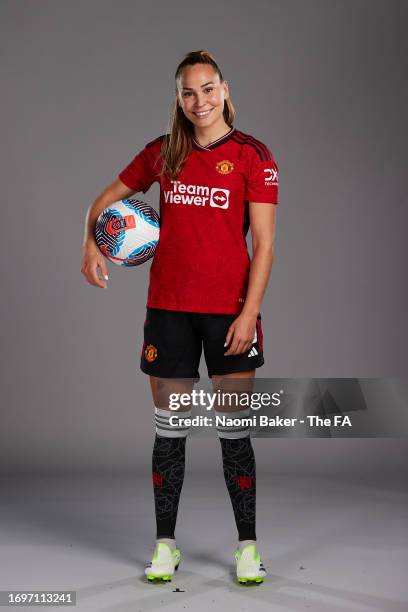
pixel 140 173
pixel 262 176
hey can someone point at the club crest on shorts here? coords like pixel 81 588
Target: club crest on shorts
pixel 224 167
pixel 150 353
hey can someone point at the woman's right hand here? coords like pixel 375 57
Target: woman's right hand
pixel 93 259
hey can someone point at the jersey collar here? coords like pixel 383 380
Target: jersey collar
pixel 215 143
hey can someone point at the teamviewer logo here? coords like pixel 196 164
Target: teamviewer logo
pixel 219 197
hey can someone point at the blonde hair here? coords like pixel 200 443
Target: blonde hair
pixel 178 142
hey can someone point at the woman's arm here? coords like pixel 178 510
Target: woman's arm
pixel 262 222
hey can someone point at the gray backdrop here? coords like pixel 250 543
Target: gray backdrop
pixel 85 86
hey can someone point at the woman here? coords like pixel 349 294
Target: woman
pixel 215 183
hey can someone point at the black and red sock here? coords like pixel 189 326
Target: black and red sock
pixel 240 476
pixel 168 465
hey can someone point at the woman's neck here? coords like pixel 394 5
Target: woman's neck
pixel 205 136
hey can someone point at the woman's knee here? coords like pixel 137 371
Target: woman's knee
pixel 170 423
pixel 164 389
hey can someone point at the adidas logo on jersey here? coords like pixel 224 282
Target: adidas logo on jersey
pixel 200 195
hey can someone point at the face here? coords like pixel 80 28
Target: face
pixel 201 95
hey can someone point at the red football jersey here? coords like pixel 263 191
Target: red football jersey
pixel 201 263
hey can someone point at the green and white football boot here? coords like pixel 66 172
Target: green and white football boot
pixel 249 565
pixel 164 563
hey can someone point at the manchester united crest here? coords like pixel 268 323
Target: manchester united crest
pixel 150 353
pixel 224 167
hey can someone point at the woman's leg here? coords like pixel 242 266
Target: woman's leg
pixel 170 356
pixel 238 457
pixel 168 459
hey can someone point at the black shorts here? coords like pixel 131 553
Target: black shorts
pixel 173 342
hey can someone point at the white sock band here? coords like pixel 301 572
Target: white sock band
pixel 175 429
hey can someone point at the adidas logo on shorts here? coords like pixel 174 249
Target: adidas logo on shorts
pixel 253 352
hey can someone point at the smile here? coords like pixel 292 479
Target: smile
pixel 204 113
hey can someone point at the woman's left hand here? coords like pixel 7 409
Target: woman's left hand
pixel 240 334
